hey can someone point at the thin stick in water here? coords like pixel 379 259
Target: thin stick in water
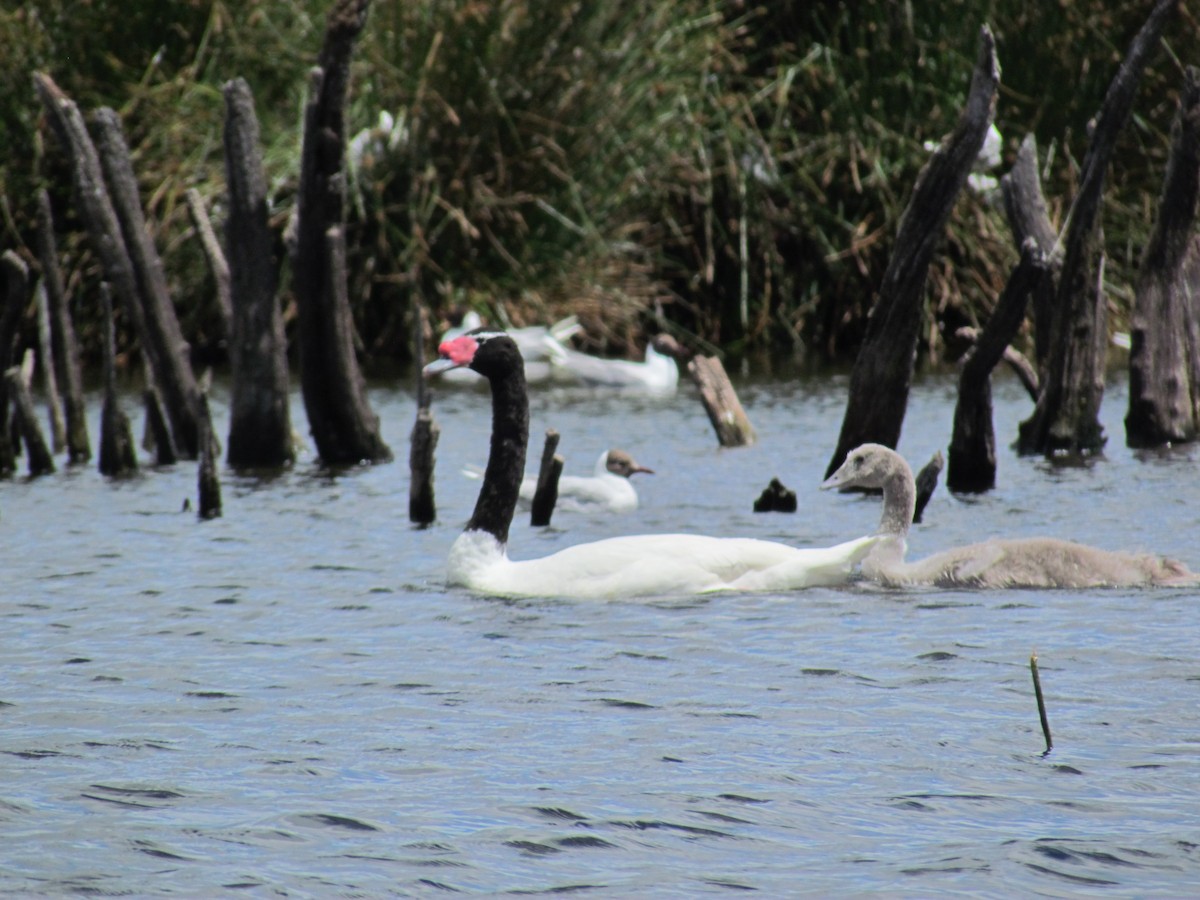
pixel 1041 701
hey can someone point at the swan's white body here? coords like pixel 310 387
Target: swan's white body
pixel 1035 562
pixel 634 566
pixel 650 565
pixel 657 374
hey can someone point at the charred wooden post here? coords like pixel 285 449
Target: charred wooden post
pixel 218 266
pixel 1067 416
pixel 973 442
pixel 725 412
pixel 163 341
pixel 1016 360
pixel 117 454
pixel 927 481
pixel 37 453
pixel 343 427
pixel 1164 358
pixel 64 344
pixel 58 424
pixel 158 434
pixel 16 283
pixel 260 425
pixel 546 495
pixel 1025 208
pixel 422 507
pixel 209 483
pixel 882 373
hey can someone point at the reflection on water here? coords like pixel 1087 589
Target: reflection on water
pixel 285 700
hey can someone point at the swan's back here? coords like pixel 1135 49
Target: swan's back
pixel 658 565
pixel 1037 562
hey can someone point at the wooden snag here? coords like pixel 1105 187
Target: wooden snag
pixel 1041 702
pixel 209 482
pixel 218 266
pixel 1066 420
pixel 882 373
pixel 163 341
pixel 16 296
pixel 927 481
pixel 64 345
pixel 117 454
pixel 58 423
pixel 973 441
pixel 725 412
pixel 776 498
pixel 37 452
pixel 422 507
pixel 158 434
pixel 1164 357
pixel 546 495
pixel 260 425
pixel 344 428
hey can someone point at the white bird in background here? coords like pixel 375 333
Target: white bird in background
pixel 630 566
pixel 538 343
pixel 607 489
pixel 657 374
pixel 1038 562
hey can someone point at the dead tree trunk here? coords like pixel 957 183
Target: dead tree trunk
pixel 545 497
pixel 117 454
pixel 63 342
pixel 422 508
pixel 1164 393
pixel 58 424
pixel 343 427
pixel 37 453
pixel 160 340
pixel 1025 207
pixel 218 267
pixel 157 434
pixel 1067 416
pixel 260 425
pixel 725 412
pixel 882 373
pixel 163 341
pixel 972 460
pixel 208 482
pixel 16 282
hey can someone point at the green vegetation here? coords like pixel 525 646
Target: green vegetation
pixel 740 168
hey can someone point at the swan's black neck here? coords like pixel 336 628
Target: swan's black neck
pixel 506 460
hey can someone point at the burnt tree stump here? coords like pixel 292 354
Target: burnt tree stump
pixel 725 412
pixel 1066 419
pixel 926 482
pixel 218 266
pixel 37 453
pixel 260 425
pixel 208 481
pixel 16 296
pixel 344 428
pixel 545 497
pixel 882 373
pixel 157 436
pixel 63 342
pixel 117 454
pixel 422 507
pixel 162 341
pixel 1025 209
pixel 58 424
pixel 972 466
pixel 1164 358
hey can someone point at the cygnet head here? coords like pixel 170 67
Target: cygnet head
pixel 869 466
pixel 490 353
pixel 621 463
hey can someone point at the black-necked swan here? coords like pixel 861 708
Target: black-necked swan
pixel 1038 562
pixel 631 566
pixel 658 373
